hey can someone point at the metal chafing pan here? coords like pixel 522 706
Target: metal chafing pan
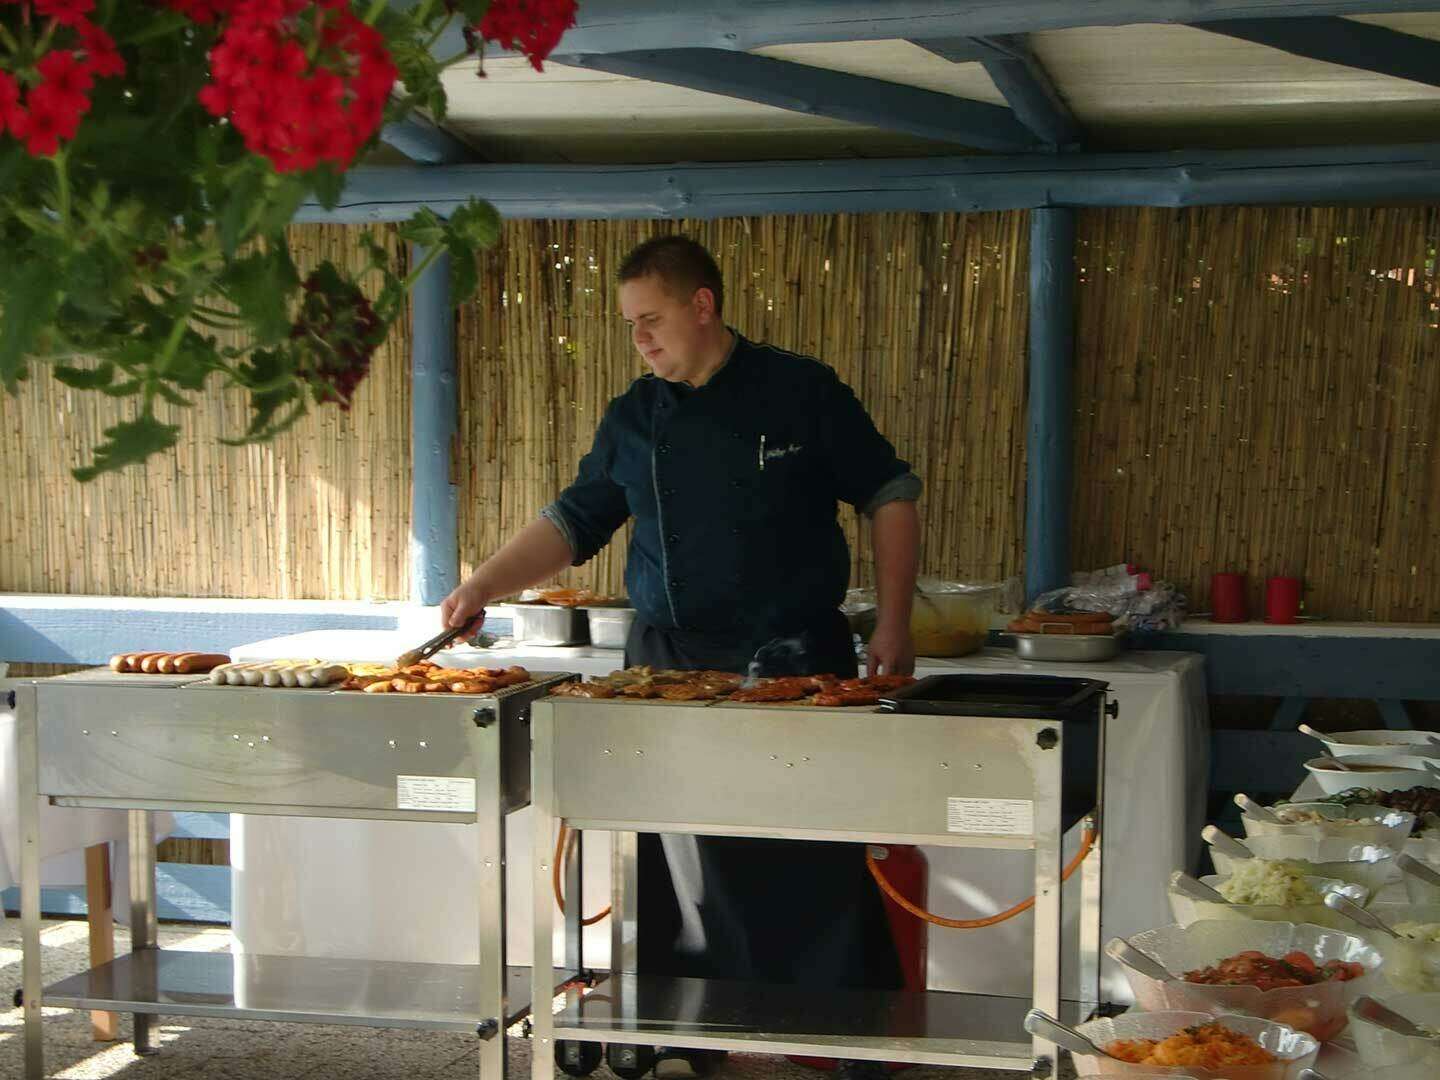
pixel 1067 648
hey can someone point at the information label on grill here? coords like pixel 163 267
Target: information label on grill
pixel 991 817
pixel 444 793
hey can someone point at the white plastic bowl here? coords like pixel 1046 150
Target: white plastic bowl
pixel 1422 892
pixel 1383 772
pixel 1318 1010
pixel 1380 1047
pixel 1188 910
pixel 1294 1049
pixel 1381 740
pixel 1384 828
pixel 1324 857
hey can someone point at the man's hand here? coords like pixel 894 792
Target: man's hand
pixel 464 606
pixel 891 651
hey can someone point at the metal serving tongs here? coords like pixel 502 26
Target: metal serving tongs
pixel 1367 1008
pixel 435 644
pixel 1042 1024
pixel 1355 913
pixel 1223 842
pixel 1195 889
pixel 1121 950
pixel 1257 810
pixel 1423 872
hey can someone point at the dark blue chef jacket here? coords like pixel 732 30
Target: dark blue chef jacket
pixel 734 488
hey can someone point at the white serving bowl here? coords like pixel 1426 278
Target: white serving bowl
pixel 1381 740
pixel 1294 1049
pixel 1318 1010
pixel 1324 857
pixel 1188 910
pixel 1380 772
pixel 1382 827
pixel 1379 1047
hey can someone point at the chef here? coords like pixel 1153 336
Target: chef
pixel 732 457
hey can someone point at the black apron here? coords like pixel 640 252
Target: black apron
pixel 774 911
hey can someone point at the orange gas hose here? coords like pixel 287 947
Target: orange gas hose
pixel 1087 843
pixel 557 865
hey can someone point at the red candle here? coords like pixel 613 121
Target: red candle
pixel 1282 599
pixel 1227 598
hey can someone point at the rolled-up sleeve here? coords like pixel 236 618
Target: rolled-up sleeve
pixel 588 512
pixel 866 471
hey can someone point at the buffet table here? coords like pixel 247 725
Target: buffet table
pixel 331 888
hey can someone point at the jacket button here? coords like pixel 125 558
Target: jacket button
pixel 736 484
pixel 676 583
pixel 736 435
pixel 673 538
pixel 663 448
pixel 735 530
pixel 665 493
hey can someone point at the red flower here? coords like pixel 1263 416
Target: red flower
pixel 65 12
pixel 290 74
pixel 101 56
pixel 532 27
pixel 65 73
pixel 44 124
pixel 202 11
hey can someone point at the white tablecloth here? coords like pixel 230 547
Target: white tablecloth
pixel 399 891
pixel 65 832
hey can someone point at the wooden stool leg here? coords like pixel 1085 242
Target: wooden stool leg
pixel 104 1026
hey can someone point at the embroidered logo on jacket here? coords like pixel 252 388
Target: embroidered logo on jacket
pixel 783 451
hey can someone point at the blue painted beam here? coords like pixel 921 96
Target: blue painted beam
pixel 426 144
pixel 625 25
pixel 1288 176
pixel 820 92
pixel 1407 669
pixel 960 50
pixel 1049 440
pixel 1342 41
pixel 434 397
pixel 1019 75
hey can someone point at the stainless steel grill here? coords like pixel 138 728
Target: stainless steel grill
pixel 146 743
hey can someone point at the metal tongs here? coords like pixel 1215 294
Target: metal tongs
pixel 434 645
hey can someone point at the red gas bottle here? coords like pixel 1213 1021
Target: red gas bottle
pixel 907 870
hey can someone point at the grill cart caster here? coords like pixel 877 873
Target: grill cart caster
pixel 577 1058
pixel 19 998
pixel 702 1062
pixel 629 1062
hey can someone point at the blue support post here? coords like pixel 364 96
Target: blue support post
pixel 434 521
pixel 1049 446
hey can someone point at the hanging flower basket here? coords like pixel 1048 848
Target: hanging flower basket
pixel 152 153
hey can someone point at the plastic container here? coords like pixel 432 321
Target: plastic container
pixel 1382 772
pixel 609 626
pixel 1343 744
pixel 1318 1010
pixel 1295 1049
pixel 1380 1047
pixel 1323 857
pixel 1412 967
pixel 951 619
pixel 1387 828
pixel 1187 910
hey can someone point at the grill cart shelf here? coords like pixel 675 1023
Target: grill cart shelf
pixel 147 743
pixel 959 761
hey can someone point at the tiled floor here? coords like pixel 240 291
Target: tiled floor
pixel 193 1049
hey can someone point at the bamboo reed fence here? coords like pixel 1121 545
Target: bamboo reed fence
pixel 1258 390
pixel 924 315
pixel 321 512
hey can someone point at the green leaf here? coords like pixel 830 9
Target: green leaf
pixel 174 397
pixel 464 274
pixel 125 389
pixel 248 188
pixel 129 443
pixel 96 378
pixel 328 186
pixel 191 363
pixel 29 298
pixel 284 203
pixel 260 285
pixel 475 224
pixel 266 404
pixel 425 228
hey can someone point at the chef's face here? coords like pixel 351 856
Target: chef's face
pixel 669 330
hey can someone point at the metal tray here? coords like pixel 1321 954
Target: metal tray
pixel 1067 648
